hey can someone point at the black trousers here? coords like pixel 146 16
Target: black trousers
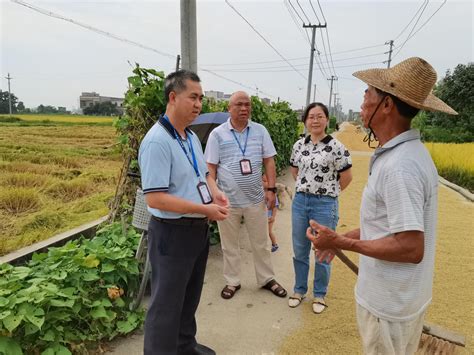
pixel 178 256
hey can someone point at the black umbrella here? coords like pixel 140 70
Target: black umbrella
pixel 205 123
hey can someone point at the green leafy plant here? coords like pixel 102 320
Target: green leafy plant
pixel 71 297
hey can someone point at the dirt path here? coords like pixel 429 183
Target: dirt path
pixel 255 322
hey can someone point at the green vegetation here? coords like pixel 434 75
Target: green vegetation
pixel 69 299
pixel 456 89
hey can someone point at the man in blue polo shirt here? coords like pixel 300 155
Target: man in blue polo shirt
pixel 235 154
pixel 181 198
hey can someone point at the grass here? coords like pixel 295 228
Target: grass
pixel 54 178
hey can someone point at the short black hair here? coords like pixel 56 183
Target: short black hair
pixel 403 108
pixel 176 81
pixel 312 105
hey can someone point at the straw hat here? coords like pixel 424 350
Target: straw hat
pixel 411 81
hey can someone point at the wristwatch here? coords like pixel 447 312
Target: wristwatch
pixel 272 189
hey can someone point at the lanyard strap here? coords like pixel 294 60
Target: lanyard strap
pixel 238 142
pixel 190 146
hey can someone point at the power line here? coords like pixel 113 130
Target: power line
pixel 315 14
pixel 296 12
pixel 296 22
pixel 322 13
pixel 408 24
pixel 266 41
pixel 291 59
pixel 423 25
pixel 93 29
pixel 263 70
pixel 413 28
pixel 304 13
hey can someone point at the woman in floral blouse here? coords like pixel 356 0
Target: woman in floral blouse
pixel 321 166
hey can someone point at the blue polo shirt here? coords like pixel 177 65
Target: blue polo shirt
pixel 165 167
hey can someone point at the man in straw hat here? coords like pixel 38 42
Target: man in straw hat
pixel 397 232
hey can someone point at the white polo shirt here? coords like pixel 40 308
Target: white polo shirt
pixel 400 195
pixel 223 150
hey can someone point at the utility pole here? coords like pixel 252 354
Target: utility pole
pixel 178 58
pixel 188 35
pixel 9 93
pixel 314 93
pixel 389 53
pixel 330 92
pixel 310 74
pixel 334 110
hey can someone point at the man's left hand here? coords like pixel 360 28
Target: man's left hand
pixel 321 236
pixel 270 199
pixel 220 199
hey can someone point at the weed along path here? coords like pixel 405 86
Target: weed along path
pixel 256 322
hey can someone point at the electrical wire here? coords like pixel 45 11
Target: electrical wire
pixel 93 29
pixel 419 28
pixel 304 13
pixel 296 22
pixel 266 41
pixel 315 14
pixel 408 24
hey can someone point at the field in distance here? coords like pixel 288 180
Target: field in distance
pixel 54 177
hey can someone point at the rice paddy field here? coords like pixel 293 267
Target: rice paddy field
pixel 54 177
pixel 455 162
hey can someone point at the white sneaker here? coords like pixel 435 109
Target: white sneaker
pixel 295 300
pixel 319 305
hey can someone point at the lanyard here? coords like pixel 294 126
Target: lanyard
pixel 190 146
pixel 238 142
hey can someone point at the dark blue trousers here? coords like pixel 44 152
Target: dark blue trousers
pixel 178 256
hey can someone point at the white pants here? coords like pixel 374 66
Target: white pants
pixel 380 336
pixel 256 222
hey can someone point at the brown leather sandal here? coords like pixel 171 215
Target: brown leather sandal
pixel 228 292
pixel 276 288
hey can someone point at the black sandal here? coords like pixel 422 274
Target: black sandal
pixel 228 293
pixel 277 291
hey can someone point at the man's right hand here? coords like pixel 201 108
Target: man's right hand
pixel 215 212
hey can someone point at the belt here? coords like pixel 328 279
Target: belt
pixel 183 221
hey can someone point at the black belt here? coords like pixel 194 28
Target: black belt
pixel 183 221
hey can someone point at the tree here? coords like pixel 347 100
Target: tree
pixel 456 89
pixel 20 107
pixel 4 104
pixel 103 109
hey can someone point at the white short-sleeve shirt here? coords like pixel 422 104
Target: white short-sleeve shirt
pixel 223 150
pixel 400 195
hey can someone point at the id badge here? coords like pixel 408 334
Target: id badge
pixel 204 193
pixel 245 167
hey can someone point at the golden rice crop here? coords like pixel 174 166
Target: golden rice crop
pixel 19 200
pixel 65 118
pixel 71 190
pixel 23 180
pixel 455 162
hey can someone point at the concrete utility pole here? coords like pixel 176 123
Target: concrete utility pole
pixel 314 93
pixel 188 35
pixel 389 53
pixel 330 92
pixel 334 110
pixel 178 58
pixel 9 93
pixel 311 60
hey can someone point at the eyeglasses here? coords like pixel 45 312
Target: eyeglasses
pixel 242 104
pixel 316 118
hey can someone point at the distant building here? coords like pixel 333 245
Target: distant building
pixel 88 99
pixel 266 100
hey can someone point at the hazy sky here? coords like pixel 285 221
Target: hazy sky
pixel 52 61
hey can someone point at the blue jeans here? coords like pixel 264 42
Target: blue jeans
pixel 324 210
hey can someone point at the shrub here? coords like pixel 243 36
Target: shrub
pixel 19 200
pixel 59 302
